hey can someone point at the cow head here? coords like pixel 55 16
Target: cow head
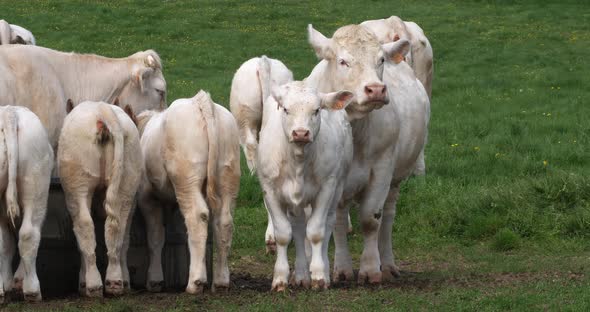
pixel 300 109
pixel 147 87
pixel 355 62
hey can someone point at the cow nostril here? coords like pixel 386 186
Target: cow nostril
pixel 306 134
pixel 368 90
pixel 384 89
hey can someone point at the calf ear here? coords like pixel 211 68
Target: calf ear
pixel 277 93
pixel 141 77
pixel 321 45
pixel 336 100
pixel 69 106
pixel 116 102
pixel 396 51
pixel 19 40
pixel 129 111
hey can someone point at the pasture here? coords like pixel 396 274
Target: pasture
pixel 502 218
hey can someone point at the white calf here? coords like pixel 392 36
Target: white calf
pixel 190 147
pixel 26 160
pixel 98 150
pixel 303 156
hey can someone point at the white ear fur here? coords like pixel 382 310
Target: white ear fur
pixel 141 75
pixel 336 100
pixel 277 93
pixel 151 62
pixel 396 51
pixel 321 45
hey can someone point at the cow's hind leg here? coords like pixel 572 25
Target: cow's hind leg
pixel 114 234
pixel 28 244
pixel 151 210
pixel 342 259
pixel 388 267
pixel 7 250
pixel 223 227
pixel 79 207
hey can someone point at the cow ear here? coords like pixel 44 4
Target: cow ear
pixel 116 102
pixel 277 94
pixel 19 40
pixel 335 100
pixel 69 106
pixel 129 111
pixel 396 51
pixel 320 44
pixel 141 77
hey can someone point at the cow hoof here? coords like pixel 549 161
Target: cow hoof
pixel 390 273
pixel 371 278
pixel 94 292
pixel 114 288
pixel 33 297
pixel 196 287
pixel 271 247
pixel 17 284
pixel 299 282
pixel 343 276
pixel 220 288
pixel 279 287
pixel 319 284
pixel 154 286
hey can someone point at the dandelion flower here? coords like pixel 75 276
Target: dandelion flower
pixel 545 163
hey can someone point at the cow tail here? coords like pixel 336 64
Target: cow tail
pixel 207 108
pixel 111 130
pixel 264 77
pixel 11 139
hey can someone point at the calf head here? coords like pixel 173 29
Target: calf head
pixel 147 87
pixel 355 62
pixel 300 108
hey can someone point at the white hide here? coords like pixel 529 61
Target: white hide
pixel 190 146
pixel 26 159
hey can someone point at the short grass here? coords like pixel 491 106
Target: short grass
pixel 501 221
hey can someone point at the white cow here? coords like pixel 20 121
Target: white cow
pixel 99 152
pixel 304 153
pixel 26 159
pixel 420 57
pixel 245 101
pixel 43 80
pixel 354 60
pixel 192 156
pixel 14 34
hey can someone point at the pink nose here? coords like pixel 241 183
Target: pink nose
pixel 375 92
pixel 301 135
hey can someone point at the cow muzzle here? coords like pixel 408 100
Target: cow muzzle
pixel 301 136
pixel 376 92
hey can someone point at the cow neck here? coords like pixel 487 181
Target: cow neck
pixel 360 136
pixel 98 78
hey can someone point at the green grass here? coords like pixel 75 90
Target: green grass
pixel 502 218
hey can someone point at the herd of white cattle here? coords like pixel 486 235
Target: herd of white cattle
pixel 351 131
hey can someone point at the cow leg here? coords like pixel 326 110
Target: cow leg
pixel 196 217
pixel 223 227
pixel 28 244
pixel 318 228
pixel 151 208
pixel 283 234
pixel 388 267
pixel 114 236
pixel 250 146
pixel 269 236
pixel 300 277
pixel 342 258
pixel 79 207
pixel 7 250
pixel 19 276
pixel 420 168
pixel 371 209
pixel 125 250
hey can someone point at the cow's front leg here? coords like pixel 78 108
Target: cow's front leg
pixel 388 267
pixel 371 211
pixel 300 276
pixel 7 250
pixel 283 234
pixel 196 217
pixel 269 236
pixel 151 209
pixel 318 228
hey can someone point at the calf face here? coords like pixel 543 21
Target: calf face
pixel 300 108
pixel 355 62
pixel 147 89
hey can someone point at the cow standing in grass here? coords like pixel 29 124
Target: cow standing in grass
pixel 353 59
pixel 26 159
pixel 192 156
pixel 43 80
pixel 304 153
pixel 99 152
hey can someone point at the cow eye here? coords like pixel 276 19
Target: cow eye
pixel 161 92
pixel 381 61
pixel 344 63
pixel 317 111
pixel 286 111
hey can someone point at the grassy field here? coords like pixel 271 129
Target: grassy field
pixel 502 218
